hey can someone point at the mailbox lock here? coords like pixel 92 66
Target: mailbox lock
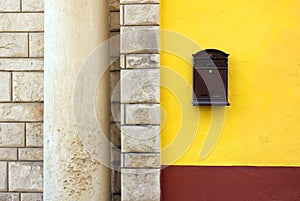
pixel 210 71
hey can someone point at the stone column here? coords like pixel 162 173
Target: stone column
pixel 75 152
pixel 140 108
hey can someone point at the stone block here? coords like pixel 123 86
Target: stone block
pixel 141 160
pixel 36 44
pixel 143 14
pixel 114 45
pixel 11 134
pixel 5 87
pixel 115 66
pixel 115 86
pixel 3 177
pixel 142 61
pixel 21 21
pixel 114 5
pixel 140 139
pixel 140 39
pixel 9 196
pixel 140 184
pixel 32 5
pixel 28 86
pixel 26 176
pixel 138 1
pixel 116 182
pixel 115 134
pixel 8 154
pixel 9 5
pixel 34 134
pixel 115 112
pixel 116 197
pixel 114 21
pixel 31 154
pixel 13 44
pixel 140 86
pixel 142 114
pixel 21 112
pixel 115 159
pixel 31 197
pixel 20 64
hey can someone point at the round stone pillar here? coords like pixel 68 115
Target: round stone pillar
pixel 74 161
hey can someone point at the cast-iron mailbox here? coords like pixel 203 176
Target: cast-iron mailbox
pixel 210 77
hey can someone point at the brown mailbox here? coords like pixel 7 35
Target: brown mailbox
pixel 210 78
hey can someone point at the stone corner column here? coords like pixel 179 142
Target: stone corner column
pixel 76 151
pixel 140 100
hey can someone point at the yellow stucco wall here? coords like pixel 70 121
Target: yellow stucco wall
pixel 262 125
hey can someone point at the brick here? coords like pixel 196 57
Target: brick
pixel 21 112
pixel 142 61
pixel 9 5
pixel 115 112
pixel 9 196
pixel 140 86
pixel 3 178
pixel 115 86
pixel 142 185
pixel 114 5
pixel 142 114
pixel 11 134
pixel 21 64
pixel 5 87
pixel 31 197
pixel 32 5
pixel 114 21
pixel 31 154
pixel 13 44
pixel 139 39
pixel 36 44
pixel 26 176
pixel 140 138
pixel 143 14
pixel 21 21
pixel 28 86
pixel 138 1
pixel 34 134
pixel 141 160
pixel 8 154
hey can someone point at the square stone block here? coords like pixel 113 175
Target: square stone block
pixel 140 39
pixel 9 5
pixel 140 138
pixel 34 134
pixel 8 154
pixel 32 5
pixel 5 86
pixel 13 44
pixel 9 197
pixel 142 61
pixel 140 86
pixel 3 178
pixel 31 154
pixel 142 114
pixel 12 135
pixel 36 45
pixel 21 111
pixel 31 197
pixel 142 14
pixel 20 64
pixel 114 45
pixel 138 1
pixel 115 112
pixel 141 160
pixel 114 21
pixel 142 185
pixel 115 134
pixel 115 86
pixel 114 5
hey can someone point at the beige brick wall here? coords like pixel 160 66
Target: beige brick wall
pixel 21 99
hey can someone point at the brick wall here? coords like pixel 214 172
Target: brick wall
pixel 21 99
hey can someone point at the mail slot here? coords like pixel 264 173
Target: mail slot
pixel 210 78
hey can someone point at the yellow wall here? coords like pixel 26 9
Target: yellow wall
pixel 262 125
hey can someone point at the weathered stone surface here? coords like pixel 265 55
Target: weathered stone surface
pixel 139 39
pixel 140 86
pixel 115 134
pixel 31 197
pixel 114 45
pixel 116 197
pixel 26 176
pixel 21 21
pixel 32 5
pixel 115 86
pixel 115 112
pixel 11 134
pixel 142 114
pixel 141 160
pixel 31 154
pixel 21 112
pixel 9 5
pixel 142 185
pixel 5 86
pixel 9 197
pixel 36 44
pixel 20 64
pixel 143 14
pixel 142 61
pixel 114 21
pixel 138 1
pixel 116 159
pixel 114 5
pixel 28 86
pixel 34 134
pixel 140 139
pixel 116 182
pixel 13 44
pixel 8 154
pixel 3 178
